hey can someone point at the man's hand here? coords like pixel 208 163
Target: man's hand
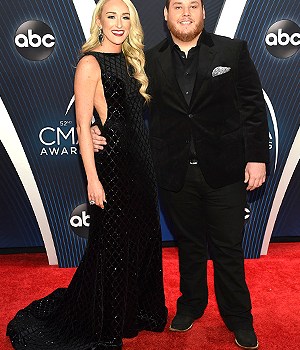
pixel 98 140
pixel 255 175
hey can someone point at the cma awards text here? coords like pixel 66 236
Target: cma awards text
pixel 59 141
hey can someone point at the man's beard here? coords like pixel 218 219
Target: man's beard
pixel 186 36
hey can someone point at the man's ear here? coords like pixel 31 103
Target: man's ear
pixel 166 13
pixel 203 12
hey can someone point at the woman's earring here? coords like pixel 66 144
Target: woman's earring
pixel 101 35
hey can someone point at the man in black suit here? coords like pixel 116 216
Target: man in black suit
pixel 209 137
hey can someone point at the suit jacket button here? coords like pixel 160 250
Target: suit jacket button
pixel 191 115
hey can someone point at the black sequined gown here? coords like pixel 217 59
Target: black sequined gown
pixel 117 289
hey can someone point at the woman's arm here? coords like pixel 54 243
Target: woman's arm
pixel 87 79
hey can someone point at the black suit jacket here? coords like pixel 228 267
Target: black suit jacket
pixel 226 116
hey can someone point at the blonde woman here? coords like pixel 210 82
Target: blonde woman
pixel 117 289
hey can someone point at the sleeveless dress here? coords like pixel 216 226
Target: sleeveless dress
pixel 117 290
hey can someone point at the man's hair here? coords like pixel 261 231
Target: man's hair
pixel 168 3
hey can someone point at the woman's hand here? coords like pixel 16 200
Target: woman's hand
pixel 96 193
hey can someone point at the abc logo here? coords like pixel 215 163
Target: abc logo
pixel 283 39
pixel 34 40
pixel 80 220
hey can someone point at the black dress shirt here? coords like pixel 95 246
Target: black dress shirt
pixel 186 71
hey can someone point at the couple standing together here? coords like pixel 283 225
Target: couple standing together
pixel 209 145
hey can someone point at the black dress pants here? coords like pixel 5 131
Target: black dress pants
pixel 200 216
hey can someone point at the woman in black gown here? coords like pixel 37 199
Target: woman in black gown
pixel 117 289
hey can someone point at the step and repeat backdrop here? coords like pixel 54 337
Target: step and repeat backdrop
pixel 42 183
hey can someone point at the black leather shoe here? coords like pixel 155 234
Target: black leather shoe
pixel 181 323
pixel 246 338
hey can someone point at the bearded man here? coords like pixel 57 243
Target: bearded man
pixel 209 137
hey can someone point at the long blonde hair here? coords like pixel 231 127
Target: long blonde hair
pixel 132 47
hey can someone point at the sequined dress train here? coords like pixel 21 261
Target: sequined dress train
pixel 117 289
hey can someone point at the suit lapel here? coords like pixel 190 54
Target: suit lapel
pixel 207 53
pixel 167 66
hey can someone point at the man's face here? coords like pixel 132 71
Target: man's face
pixel 185 19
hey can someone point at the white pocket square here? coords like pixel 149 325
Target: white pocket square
pixel 219 71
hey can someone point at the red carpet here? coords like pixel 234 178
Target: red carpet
pixel 273 281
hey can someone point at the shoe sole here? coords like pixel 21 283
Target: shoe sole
pixel 180 330
pixel 246 347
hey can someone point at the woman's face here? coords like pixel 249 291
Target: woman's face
pixel 115 23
